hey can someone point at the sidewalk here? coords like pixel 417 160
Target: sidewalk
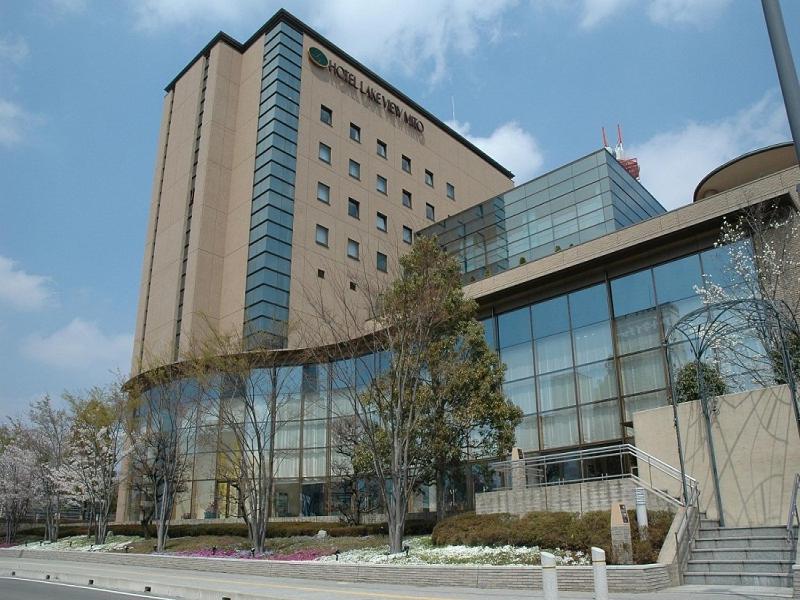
pixel 199 585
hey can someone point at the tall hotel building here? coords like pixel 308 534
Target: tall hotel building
pixel 284 163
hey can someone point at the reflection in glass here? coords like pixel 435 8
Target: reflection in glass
pixel 589 305
pixel 632 293
pixel 635 404
pixel 527 434
pixel 523 394
pixel 550 317
pixel 642 372
pixel 677 279
pixel 600 421
pixel 514 327
pixel 518 360
pixel 638 331
pixel 553 353
pixel 596 382
pixel 556 390
pixel 593 343
pixel 560 428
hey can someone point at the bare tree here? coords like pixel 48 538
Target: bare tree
pixel 255 398
pixel 159 434
pixel 351 470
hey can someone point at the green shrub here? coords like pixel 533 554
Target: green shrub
pixel 568 531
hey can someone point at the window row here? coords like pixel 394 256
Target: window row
pixel 326 116
pixel 324 195
pixel 322 235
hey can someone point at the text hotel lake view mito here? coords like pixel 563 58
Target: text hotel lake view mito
pixel 577 273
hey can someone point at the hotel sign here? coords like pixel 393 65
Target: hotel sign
pixel 319 59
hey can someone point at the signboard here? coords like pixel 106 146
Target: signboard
pixel 318 58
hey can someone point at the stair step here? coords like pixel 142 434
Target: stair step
pixel 742 531
pixel 757 553
pixel 759 579
pixel 760 541
pixel 739 566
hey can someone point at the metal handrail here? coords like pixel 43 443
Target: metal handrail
pixel 537 466
pixel 794 515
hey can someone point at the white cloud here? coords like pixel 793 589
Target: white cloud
pixel 416 36
pixel 81 345
pixel 510 145
pixel 695 13
pixel 13 49
pixel 674 162
pixel 19 289
pixel 14 122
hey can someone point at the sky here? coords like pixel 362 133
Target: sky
pixel 692 82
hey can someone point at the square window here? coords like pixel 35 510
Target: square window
pixel 451 191
pixel 382 262
pixel 355 133
pixel 325 115
pixel 352 249
pixel 354 169
pixel 353 285
pixel 408 235
pixel 322 235
pixel 320 273
pixel 430 211
pixel 323 193
pixel 381 149
pixel 380 184
pixel 353 208
pixel 406 164
pixel 325 153
pixel 428 177
pixel 381 222
pixel 406 198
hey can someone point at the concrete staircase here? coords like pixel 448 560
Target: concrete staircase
pixel 739 556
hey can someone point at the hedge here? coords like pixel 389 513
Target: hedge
pixel 568 531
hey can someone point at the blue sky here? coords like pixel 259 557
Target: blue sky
pixel 81 87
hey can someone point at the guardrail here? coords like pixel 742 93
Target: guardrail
pixel 596 464
pixel 794 515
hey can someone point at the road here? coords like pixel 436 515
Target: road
pixel 12 588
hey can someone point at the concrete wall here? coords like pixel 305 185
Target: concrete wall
pixel 570 497
pixel 627 578
pixel 757 448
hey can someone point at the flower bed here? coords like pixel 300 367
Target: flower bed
pixel 82 543
pixel 422 552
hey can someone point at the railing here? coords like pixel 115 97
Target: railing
pixel 621 461
pixel 794 515
pixel 687 530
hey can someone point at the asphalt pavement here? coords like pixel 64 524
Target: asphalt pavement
pixel 13 588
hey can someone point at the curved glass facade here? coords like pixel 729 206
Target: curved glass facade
pixel 579 365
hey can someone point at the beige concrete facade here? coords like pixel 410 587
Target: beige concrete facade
pixel 218 238
pixel 757 448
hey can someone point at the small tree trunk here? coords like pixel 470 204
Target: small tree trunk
pixel 440 495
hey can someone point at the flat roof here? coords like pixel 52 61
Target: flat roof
pixel 285 16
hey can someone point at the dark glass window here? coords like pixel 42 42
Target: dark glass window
pixel 354 169
pixel 676 280
pixel 488 331
pixel 406 198
pixel 408 235
pixel 381 149
pixel 428 177
pixel 589 306
pixel 632 293
pixel 325 114
pixel 381 222
pixel 323 193
pixel 353 248
pixel 514 327
pixel 550 317
pixel 322 235
pixel 430 211
pixel 325 153
pixel 355 133
pixel 320 273
pixel 406 162
pixel 451 191
pixel 380 184
pixel 382 262
pixel 353 208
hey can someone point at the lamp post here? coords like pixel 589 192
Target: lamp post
pixel 787 75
